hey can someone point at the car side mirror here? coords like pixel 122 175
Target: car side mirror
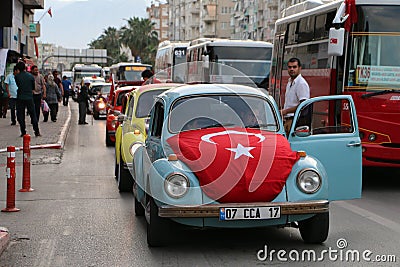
pixel 336 42
pixel 302 131
pixel 121 118
pixel 117 113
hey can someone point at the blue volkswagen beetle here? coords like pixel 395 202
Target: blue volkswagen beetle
pixel 217 156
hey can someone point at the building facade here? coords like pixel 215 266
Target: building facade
pixel 17 31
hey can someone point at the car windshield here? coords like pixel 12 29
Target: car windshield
pixel 145 102
pixel 206 111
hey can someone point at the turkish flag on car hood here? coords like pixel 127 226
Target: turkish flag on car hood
pixel 236 164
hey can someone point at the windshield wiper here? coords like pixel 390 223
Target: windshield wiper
pixel 380 93
pixel 217 125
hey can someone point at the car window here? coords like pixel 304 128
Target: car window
pixel 130 107
pixel 157 120
pixel 145 103
pixel 326 117
pixel 197 112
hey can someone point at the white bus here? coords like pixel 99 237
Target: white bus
pixel 252 58
pixel 80 70
pixel 170 54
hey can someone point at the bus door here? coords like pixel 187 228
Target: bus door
pixel 276 72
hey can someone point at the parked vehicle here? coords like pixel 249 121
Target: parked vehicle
pixel 217 155
pixel 114 108
pixel 133 129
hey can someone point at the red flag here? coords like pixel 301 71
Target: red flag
pixel 236 164
pixel 351 9
pixel 49 11
pixel 36 47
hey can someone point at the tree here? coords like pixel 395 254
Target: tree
pixel 141 39
pixel 110 40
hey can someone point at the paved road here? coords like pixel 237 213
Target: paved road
pixel 77 217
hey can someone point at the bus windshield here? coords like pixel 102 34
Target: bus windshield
pixel 252 61
pixel 375 52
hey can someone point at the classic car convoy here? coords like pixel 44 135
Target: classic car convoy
pixel 216 155
pixel 134 129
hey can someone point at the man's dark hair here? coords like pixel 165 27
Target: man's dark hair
pixel 295 59
pixel 147 74
pixel 64 77
pixel 21 66
pixel 34 67
pixel 15 68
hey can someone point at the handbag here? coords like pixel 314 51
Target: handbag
pixel 45 106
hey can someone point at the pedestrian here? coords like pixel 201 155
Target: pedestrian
pixel 40 90
pixel 12 88
pixel 147 76
pixel 297 90
pixel 58 81
pixel 67 88
pixel 83 98
pixel 52 99
pixel 3 100
pixel 26 86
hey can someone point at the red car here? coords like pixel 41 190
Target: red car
pixel 115 104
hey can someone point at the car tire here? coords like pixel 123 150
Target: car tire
pixel 116 169
pixel 315 229
pixel 96 115
pixel 139 210
pixel 125 182
pixel 108 140
pixel 158 229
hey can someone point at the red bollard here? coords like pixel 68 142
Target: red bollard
pixel 26 167
pixel 10 205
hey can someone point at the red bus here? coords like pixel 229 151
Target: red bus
pixel 348 47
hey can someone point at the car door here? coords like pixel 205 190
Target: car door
pixel 327 129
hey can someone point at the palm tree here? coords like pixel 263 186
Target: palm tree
pixel 140 37
pixel 110 40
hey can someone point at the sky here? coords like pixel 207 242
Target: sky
pixel 75 23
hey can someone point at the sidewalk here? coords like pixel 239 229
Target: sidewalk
pixel 52 133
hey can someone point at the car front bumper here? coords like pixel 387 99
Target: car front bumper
pixel 213 210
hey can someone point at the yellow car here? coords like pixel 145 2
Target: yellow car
pixel 133 129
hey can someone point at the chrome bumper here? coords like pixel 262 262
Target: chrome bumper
pixel 212 210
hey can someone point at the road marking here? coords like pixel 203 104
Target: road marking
pixel 370 216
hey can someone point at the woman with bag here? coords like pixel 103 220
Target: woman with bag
pixel 53 96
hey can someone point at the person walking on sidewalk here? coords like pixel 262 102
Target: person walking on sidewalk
pixel 11 87
pixel 67 87
pixel 26 85
pixel 83 98
pixel 40 90
pixel 52 99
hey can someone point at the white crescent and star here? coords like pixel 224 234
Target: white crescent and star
pixel 240 150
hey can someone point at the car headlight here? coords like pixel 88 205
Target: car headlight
pixel 308 181
pixel 176 185
pixel 101 105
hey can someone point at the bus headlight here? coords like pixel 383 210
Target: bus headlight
pixel 308 181
pixel 176 185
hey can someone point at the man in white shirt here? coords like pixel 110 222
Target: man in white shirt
pixel 297 90
pixel 12 89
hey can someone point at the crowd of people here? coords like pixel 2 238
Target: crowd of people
pixel 33 94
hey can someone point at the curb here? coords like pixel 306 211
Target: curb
pixel 4 239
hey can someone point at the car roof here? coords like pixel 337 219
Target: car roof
pixel 99 84
pixel 155 86
pixel 192 89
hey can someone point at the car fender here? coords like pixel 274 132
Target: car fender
pixel 118 137
pixel 293 191
pixel 128 139
pixel 162 168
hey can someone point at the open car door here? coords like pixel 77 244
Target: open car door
pixel 326 128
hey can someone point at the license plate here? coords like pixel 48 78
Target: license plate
pixel 249 213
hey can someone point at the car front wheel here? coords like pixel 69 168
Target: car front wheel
pixel 125 182
pixel 315 229
pixel 158 229
pixel 108 139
